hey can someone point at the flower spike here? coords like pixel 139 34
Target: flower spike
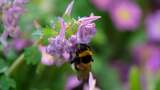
pixel 69 8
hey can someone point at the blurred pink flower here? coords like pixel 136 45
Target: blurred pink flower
pixel 91 83
pixel 122 69
pixel 148 57
pixel 153 26
pixel 103 5
pixel 19 43
pixel 126 15
pixel 46 58
pixel 11 16
pixel 72 82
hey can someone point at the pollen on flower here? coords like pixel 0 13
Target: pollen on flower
pixel 124 14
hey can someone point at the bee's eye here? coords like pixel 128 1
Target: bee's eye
pixel 86 59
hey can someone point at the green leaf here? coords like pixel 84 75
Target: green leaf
pixel 158 85
pixel 134 79
pixel 6 83
pixel 32 55
pixel 71 28
pixel 48 32
pixel 11 55
pixel 3 66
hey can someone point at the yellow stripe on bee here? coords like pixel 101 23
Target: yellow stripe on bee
pixel 85 53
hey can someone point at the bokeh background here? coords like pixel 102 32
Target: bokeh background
pixel 126 46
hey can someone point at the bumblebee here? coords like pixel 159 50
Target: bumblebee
pixel 81 60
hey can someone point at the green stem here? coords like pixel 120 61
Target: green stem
pixel 17 62
pixel 20 60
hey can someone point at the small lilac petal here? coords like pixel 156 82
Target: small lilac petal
pixel 87 20
pixel 63 28
pixel 91 83
pixel 72 82
pixel 57 46
pixel 86 32
pixel 73 39
pixel 66 55
pixel 69 8
pixel 46 58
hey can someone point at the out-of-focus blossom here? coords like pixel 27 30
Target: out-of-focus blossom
pixel 153 26
pixel 91 83
pixel 126 15
pixel 148 57
pixel 102 4
pixel 11 15
pixel 20 1
pixel 86 29
pixel 1 3
pixel 19 43
pixel 72 83
pixel 122 69
pixel 46 58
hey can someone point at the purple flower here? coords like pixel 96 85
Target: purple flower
pixel 102 4
pixel 86 29
pixel 62 47
pixel 11 17
pixel 148 57
pixel 153 26
pixel 46 58
pixel 126 15
pixel 1 3
pixel 20 2
pixel 121 68
pixel 59 46
pixel 19 43
pixel 72 82
pixel 91 83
